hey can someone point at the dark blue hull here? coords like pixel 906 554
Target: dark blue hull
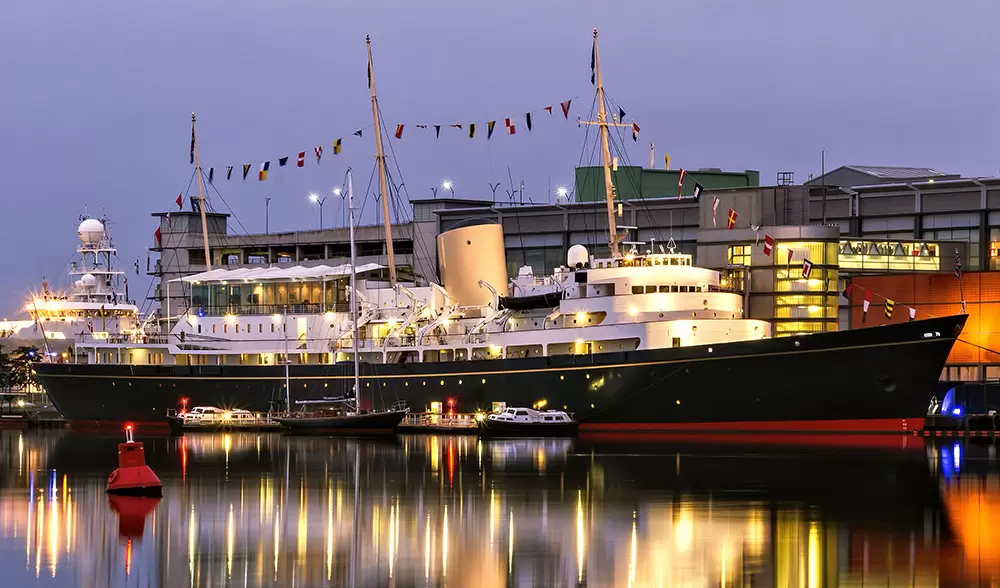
pixel 877 378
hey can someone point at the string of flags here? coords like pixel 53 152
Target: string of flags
pixel 511 125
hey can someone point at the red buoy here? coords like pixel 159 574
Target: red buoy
pixel 133 477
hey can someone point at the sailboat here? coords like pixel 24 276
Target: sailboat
pixel 347 417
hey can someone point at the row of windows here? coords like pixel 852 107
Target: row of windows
pixel 674 288
pixel 248 328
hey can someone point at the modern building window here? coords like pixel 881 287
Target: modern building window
pixel 543 260
pixel 740 254
pixel 969 235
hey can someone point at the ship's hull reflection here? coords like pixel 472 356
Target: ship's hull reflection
pixel 269 510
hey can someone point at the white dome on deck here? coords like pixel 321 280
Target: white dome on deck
pixel 91 231
pixel 577 256
pixel 88 281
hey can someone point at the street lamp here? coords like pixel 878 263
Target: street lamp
pixel 561 193
pixel 315 199
pixel 448 185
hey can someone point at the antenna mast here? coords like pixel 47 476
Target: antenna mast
pixel 201 195
pixel 380 162
pixel 614 237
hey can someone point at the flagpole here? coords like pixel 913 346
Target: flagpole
pixel 201 196
pixel 380 162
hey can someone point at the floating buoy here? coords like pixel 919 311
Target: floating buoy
pixel 133 477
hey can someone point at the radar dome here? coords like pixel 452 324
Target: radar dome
pixel 577 256
pixel 78 284
pixel 91 231
pixel 88 281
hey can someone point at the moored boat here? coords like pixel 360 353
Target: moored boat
pixel 528 422
pixel 211 418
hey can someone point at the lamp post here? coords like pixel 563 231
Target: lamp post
pixel 338 192
pixel 561 193
pixel 315 199
pixel 448 185
pixel 267 215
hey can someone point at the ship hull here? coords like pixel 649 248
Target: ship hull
pixel 870 379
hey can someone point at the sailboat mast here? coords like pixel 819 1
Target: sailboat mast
pixel 380 162
pixel 609 190
pixel 355 302
pixel 201 196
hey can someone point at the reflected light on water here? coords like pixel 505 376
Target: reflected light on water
pixel 510 543
pixel 192 541
pixel 767 519
pixel 230 540
pixel 579 536
pixel 329 531
pixel 444 543
pixel 815 556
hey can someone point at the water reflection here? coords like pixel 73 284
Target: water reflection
pixel 268 510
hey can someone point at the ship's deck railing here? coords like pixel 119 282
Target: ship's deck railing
pixel 268 309
pixel 90 339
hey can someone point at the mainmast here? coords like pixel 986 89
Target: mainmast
pixel 380 162
pixel 614 237
pixel 201 195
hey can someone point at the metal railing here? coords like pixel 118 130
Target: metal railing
pixel 268 309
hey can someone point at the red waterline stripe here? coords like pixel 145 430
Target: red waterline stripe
pixel 839 440
pixel 120 425
pixel 895 425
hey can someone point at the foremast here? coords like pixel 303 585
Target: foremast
pixel 380 162
pixel 201 195
pixel 614 237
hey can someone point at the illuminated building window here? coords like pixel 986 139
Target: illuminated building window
pixel 740 254
pixel 881 255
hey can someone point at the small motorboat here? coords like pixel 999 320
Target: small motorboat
pixel 211 418
pixel 527 422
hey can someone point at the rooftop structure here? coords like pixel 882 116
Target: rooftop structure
pixel 860 175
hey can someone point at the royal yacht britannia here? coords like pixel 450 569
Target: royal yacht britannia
pixel 637 339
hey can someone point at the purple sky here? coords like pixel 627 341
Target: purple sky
pixel 96 99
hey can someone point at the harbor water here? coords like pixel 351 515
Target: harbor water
pixel 248 509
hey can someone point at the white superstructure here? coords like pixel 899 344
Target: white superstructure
pixel 94 307
pixel 260 316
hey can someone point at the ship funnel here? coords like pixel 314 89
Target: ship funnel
pixel 470 251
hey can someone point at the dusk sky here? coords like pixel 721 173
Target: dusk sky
pixel 96 98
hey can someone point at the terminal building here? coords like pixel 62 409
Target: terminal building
pixel 891 230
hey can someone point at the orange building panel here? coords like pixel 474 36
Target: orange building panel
pixel 938 295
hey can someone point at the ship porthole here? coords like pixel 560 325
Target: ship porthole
pixel 406 383
pixel 460 382
pixel 562 377
pixel 709 349
pixel 484 380
pixel 797 344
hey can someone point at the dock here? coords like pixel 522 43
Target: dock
pixel 452 424
pixel 961 425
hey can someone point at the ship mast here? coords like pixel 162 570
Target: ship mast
pixel 355 307
pixel 201 196
pixel 380 162
pixel 614 237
